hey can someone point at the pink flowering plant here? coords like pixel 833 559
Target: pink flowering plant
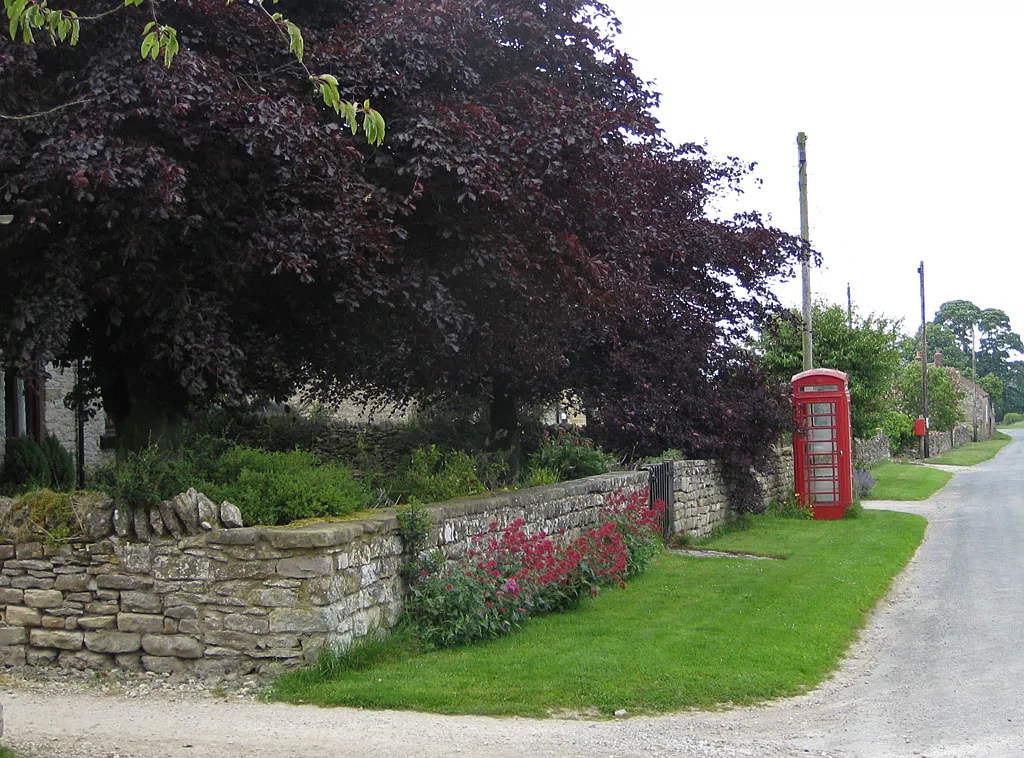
pixel 510 575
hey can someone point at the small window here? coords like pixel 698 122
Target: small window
pixel 821 388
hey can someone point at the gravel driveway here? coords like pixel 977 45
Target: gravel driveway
pixel 937 673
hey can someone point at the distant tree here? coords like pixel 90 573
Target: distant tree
pixel 869 351
pixel 945 398
pixel 995 387
pixel 996 341
pixel 939 338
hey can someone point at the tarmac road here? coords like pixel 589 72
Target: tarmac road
pixel 938 672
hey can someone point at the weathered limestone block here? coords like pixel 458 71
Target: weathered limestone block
pixel 140 521
pixel 156 523
pixel 243 569
pixel 169 516
pixel 240 622
pixel 97 622
pixel 209 514
pixel 136 601
pixel 305 566
pixel 182 612
pixel 123 522
pixel 53 622
pixel 186 505
pixel 44 598
pixel 72 582
pixel 62 640
pixel 188 626
pixel 35 656
pixel 163 665
pixel 10 596
pixel 276 597
pixel 29 550
pixel 17 615
pixel 175 645
pixel 102 607
pixel 129 661
pixel 299 620
pixel 112 642
pixel 140 622
pixel 230 515
pixel 85 660
pixel 167 567
pixel 12 656
pixel 123 582
pixel 29 565
pixel 13 635
pixel 32 582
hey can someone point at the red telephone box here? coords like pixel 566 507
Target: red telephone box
pixel 823 442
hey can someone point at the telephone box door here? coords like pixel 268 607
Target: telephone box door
pixel 822 448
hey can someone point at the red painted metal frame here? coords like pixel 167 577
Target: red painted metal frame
pixel 823 442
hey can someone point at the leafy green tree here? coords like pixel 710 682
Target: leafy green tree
pixel 940 337
pixel 945 398
pixel 995 387
pixel 869 351
pixel 997 340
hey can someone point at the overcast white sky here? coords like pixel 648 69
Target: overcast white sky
pixel 914 120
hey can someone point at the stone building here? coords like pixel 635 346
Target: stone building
pixel 979 413
pixel 35 409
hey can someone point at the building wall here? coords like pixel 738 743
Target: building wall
pixel 61 421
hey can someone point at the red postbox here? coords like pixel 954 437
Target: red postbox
pixel 823 442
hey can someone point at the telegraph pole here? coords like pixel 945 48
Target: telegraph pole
pixel 849 307
pixel 805 255
pixel 924 363
pixel 974 379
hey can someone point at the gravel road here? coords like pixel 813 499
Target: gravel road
pixel 937 673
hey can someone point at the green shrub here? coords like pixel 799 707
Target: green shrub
pixel 60 464
pixel 1013 418
pixel 51 513
pixel 788 507
pixel 144 478
pixel 538 477
pixel 433 476
pixel 24 465
pixel 278 488
pixel 569 454
pixel 899 428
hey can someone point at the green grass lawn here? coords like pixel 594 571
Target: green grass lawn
pixel 906 481
pixel 973 452
pixel 690 633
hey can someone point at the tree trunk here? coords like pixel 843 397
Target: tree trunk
pixel 504 419
pixel 146 423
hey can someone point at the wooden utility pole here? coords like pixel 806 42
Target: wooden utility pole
pixel 805 256
pixel 849 307
pixel 974 380
pixel 924 364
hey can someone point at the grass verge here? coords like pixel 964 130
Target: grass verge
pixel 690 633
pixel 906 481
pixel 973 452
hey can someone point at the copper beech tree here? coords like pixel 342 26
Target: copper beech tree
pixel 525 229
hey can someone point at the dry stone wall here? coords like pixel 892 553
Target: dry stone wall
pixel 869 451
pixel 259 599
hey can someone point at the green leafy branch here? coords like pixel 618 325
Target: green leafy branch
pixel 159 40
pixel 327 84
pixel 27 16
